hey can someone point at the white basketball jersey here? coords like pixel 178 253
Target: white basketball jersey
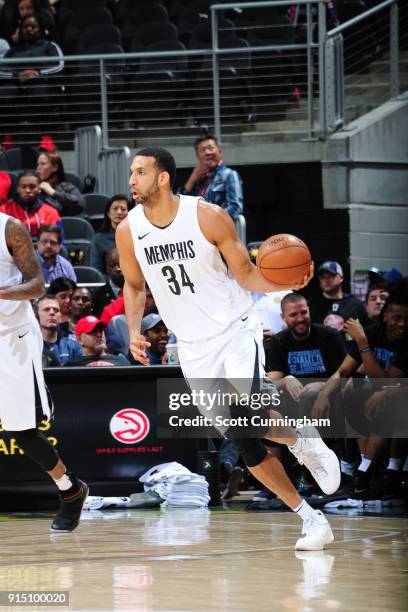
pixel 196 296
pixel 13 313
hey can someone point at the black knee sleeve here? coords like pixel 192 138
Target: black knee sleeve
pixel 252 450
pixel 37 447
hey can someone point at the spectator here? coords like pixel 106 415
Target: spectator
pixel 63 288
pixel 213 180
pixel 155 332
pixel 381 348
pixel 49 317
pixel 375 299
pixel 12 19
pixel 334 306
pixel 113 288
pixel 5 185
pixel 116 209
pixel 27 80
pixel 81 305
pixel 53 265
pixel 4 47
pixel 28 206
pixel 91 336
pixel 55 189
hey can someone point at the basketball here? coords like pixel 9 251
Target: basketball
pixel 284 260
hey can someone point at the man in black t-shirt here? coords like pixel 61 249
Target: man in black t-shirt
pixel 91 336
pixel 303 350
pixel 334 307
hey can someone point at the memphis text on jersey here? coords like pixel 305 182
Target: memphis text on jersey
pixel 161 253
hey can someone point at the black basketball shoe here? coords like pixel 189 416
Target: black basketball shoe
pixel 72 501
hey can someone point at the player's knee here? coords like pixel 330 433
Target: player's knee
pixel 252 450
pixel 36 446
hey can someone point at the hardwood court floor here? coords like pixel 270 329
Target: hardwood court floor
pixel 199 560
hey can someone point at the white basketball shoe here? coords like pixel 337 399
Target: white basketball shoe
pixel 322 463
pixel 316 532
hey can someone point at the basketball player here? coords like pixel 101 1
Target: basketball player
pixel 188 251
pixel 24 400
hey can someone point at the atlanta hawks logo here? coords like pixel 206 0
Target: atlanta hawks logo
pixel 129 426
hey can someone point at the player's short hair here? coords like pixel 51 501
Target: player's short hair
pixel 51 228
pixel 164 160
pixel 292 298
pixel 203 138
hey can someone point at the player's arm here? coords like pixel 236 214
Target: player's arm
pixel 134 291
pixel 322 403
pixel 19 243
pixel 371 367
pixel 218 228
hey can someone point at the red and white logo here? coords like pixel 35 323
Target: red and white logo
pixel 129 425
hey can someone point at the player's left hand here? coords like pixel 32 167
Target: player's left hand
pixel 375 404
pixel 321 407
pixel 307 278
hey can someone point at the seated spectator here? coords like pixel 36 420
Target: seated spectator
pixel 63 348
pixel 113 288
pixel 114 309
pixel 5 185
pixel 155 332
pixel 23 82
pixel 81 305
pixel 28 206
pixel 53 265
pixel 55 189
pixel 375 299
pixel 91 336
pixel 116 210
pixel 63 288
pixel 213 180
pixel 381 349
pixel 14 16
pixel 4 47
pixel 334 306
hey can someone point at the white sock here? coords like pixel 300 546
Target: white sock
pixel 64 483
pixel 365 464
pixel 405 468
pixel 304 510
pixel 296 445
pixel 346 467
pixel 362 455
pixel 394 464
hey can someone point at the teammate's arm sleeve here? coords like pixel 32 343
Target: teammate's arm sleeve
pixel 19 243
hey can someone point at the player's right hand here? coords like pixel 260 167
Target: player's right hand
pixel 307 278
pixel 294 387
pixel 138 345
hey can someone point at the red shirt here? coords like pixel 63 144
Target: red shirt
pixel 117 307
pixel 32 219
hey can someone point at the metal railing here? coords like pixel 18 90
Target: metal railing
pixel 243 78
pixel 361 64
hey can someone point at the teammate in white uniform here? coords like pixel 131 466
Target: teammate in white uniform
pixel 200 275
pixel 24 399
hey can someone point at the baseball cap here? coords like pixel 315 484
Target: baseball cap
pixel 150 321
pixel 330 266
pixel 86 325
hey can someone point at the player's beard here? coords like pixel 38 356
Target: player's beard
pixel 150 196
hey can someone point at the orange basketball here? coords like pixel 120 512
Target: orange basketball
pixel 284 260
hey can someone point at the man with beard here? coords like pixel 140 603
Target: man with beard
pixel 53 265
pixel 213 180
pixel 303 350
pixel 90 332
pixel 334 306
pixel 62 347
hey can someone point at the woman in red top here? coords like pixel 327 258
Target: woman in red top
pixel 27 205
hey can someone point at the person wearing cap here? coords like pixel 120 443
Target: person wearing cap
pixel 156 333
pixel 90 333
pixel 334 307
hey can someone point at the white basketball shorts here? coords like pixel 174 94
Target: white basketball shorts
pixel 24 399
